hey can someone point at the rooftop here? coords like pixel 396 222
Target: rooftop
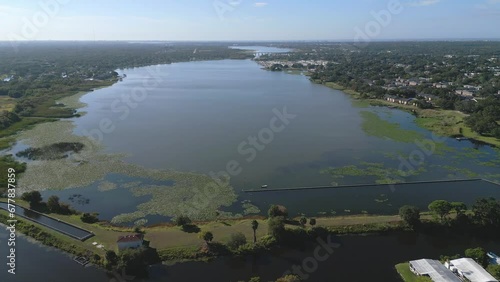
pixel 129 238
pixel 472 270
pixel 434 269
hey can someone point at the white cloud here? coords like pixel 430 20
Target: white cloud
pixel 422 3
pixel 260 4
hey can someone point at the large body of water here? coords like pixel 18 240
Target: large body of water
pixel 200 116
pixel 281 130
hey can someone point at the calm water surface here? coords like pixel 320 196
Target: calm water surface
pixel 202 115
pixel 196 118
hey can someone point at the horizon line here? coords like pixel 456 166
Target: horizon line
pixel 258 40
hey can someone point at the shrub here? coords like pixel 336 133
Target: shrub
pixel 312 221
pixel 182 220
pixel 478 254
pixel 410 215
pixel 207 236
pixel 276 226
pixel 89 217
pixel 53 204
pixel 277 210
pixel 34 198
pixel 236 240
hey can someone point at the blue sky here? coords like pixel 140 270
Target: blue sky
pixel 247 20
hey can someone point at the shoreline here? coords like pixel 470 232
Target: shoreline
pixel 188 248
pixel 349 229
pixel 429 119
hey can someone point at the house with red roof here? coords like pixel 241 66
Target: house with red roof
pixel 133 241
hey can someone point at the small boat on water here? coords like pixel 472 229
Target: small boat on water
pixel 493 258
pixel 263 186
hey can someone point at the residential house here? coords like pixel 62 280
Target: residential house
pixel 427 97
pixel 433 269
pixel 468 269
pixel 468 93
pixel 413 81
pixel 130 241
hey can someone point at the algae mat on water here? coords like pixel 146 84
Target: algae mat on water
pixel 379 171
pixel 375 126
pixel 195 195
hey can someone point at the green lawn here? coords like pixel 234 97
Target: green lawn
pixel 408 276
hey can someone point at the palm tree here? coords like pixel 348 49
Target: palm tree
pixel 303 221
pixel 255 225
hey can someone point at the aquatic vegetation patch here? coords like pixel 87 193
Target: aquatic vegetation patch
pixel 130 184
pixel 382 173
pixel 79 199
pixel 128 217
pixel 228 215
pixel 106 186
pixel 195 195
pixel 51 152
pixel 249 208
pixel 140 222
pixel 457 172
pixel 382 198
pixel 360 103
pixel 492 177
pixel 373 125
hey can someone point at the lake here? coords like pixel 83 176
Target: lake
pixel 202 118
pixel 262 127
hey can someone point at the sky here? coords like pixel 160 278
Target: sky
pixel 237 20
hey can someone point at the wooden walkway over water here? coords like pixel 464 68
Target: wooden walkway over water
pixel 366 185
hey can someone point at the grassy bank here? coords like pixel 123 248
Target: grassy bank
pixel 404 270
pixel 175 244
pixel 50 237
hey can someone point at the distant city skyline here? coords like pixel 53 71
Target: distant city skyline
pixel 245 20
